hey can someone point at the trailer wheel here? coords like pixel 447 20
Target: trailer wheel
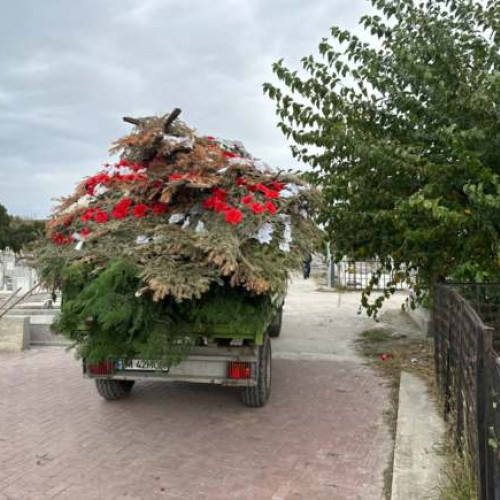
pixel 257 396
pixel 114 389
pixel 274 329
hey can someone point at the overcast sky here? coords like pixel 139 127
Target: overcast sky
pixel 69 71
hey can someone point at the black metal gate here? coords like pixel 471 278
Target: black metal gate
pixel 465 320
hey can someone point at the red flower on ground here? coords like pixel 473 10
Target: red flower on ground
pixel 271 208
pixel 87 215
pixel 228 154
pixel 241 181
pixel 136 167
pixel 277 186
pixel 140 210
pixel 159 208
pixel 84 232
pixel 101 217
pixel 68 221
pixel 210 138
pixel 233 216
pixel 247 199
pixel 385 356
pixel 256 207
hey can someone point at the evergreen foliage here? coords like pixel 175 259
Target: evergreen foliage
pixel 185 240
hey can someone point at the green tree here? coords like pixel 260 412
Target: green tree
pixel 4 227
pixel 17 233
pixel 23 232
pixel 403 132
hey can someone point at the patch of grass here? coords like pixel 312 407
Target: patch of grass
pixel 460 481
pixel 376 335
pixel 391 353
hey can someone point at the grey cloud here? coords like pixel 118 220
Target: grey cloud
pixel 70 70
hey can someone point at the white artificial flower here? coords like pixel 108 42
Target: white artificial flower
pixel 265 234
pixel 289 190
pixel 141 240
pixel 200 227
pixel 176 218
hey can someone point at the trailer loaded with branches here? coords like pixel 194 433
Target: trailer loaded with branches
pixel 173 260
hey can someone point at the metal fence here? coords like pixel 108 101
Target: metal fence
pixel 468 372
pixel 357 275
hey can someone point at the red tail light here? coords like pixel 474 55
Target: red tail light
pixel 102 368
pixel 239 370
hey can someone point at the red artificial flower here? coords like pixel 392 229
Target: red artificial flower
pixel 158 184
pixel 101 178
pixel 252 188
pixel 247 199
pixel 136 167
pixel 272 194
pixel 85 232
pixel 228 154
pixel 241 181
pixel 140 210
pixel 120 211
pixel 101 217
pixel 210 138
pixel 87 215
pixel 122 163
pixel 159 208
pixel 220 194
pixel 68 221
pixel 256 207
pixel 278 186
pixel 233 216
pixel 58 239
pixel 270 207
pixel 220 206
pixel 209 203
pixel 175 177
pixel 261 188
pixel 385 356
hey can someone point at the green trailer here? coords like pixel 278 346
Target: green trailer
pixel 225 357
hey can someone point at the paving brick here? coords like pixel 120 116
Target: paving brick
pixel 322 435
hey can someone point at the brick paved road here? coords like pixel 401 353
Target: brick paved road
pixel 321 436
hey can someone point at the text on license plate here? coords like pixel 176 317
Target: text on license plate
pixel 140 364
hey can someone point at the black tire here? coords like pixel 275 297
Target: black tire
pixel 113 389
pixel 274 329
pixel 257 396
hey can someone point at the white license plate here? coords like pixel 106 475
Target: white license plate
pixel 141 365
